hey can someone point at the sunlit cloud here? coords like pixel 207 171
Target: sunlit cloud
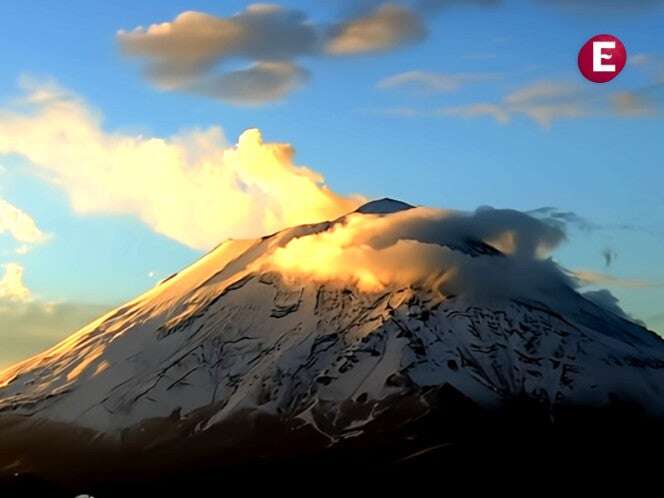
pixel 28 325
pixel 182 54
pixel 388 26
pixel 12 288
pixel 199 53
pixel 192 187
pixel 441 248
pixel 196 52
pixel 588 277
pixel 20 226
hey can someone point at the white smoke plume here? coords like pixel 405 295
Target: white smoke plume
pixel 192 187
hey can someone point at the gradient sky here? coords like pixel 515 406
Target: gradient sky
pixel 480 104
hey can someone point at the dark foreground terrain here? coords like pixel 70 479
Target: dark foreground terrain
pixel 455 445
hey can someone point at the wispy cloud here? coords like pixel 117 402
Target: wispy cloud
pixel 651 64
pixel 563 219
pixel 634 104
pixel 477 110
pixel 432 82
pixel 545 102
pixel 588 277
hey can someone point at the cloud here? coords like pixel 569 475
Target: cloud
pixel 477 110
pixel 198 52
pixel 259 83
pixel 453 251
pixel 29 325
pixel 387 27
pixel 489 255
pixel 606 300
pixel 651 64
pixel 640 59
pixel 587 277
pixel 431 82
pixel 194 40
pixel 547 101
pixel 12 288
pixel 633 104
pixel 20 226
pixel 563 219
pixel 182 54
pixel 192 187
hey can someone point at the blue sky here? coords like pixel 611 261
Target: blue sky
pixel 410 141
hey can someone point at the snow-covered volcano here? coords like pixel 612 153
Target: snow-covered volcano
pixel 324 332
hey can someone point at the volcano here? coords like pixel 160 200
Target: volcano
pixel 395 336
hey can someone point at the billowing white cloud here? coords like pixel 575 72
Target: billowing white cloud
pixel 192 187
pixel 388 26
pixel 432 82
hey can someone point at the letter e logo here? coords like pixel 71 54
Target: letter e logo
pixel 602 58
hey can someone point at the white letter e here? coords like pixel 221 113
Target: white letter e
pixel 599 56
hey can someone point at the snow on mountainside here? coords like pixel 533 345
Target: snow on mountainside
pixel 253 328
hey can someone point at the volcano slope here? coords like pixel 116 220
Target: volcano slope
pixel 393 337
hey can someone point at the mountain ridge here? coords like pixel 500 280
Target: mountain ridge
pixel 234 342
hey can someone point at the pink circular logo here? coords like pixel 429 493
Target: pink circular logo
pixel 602 58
